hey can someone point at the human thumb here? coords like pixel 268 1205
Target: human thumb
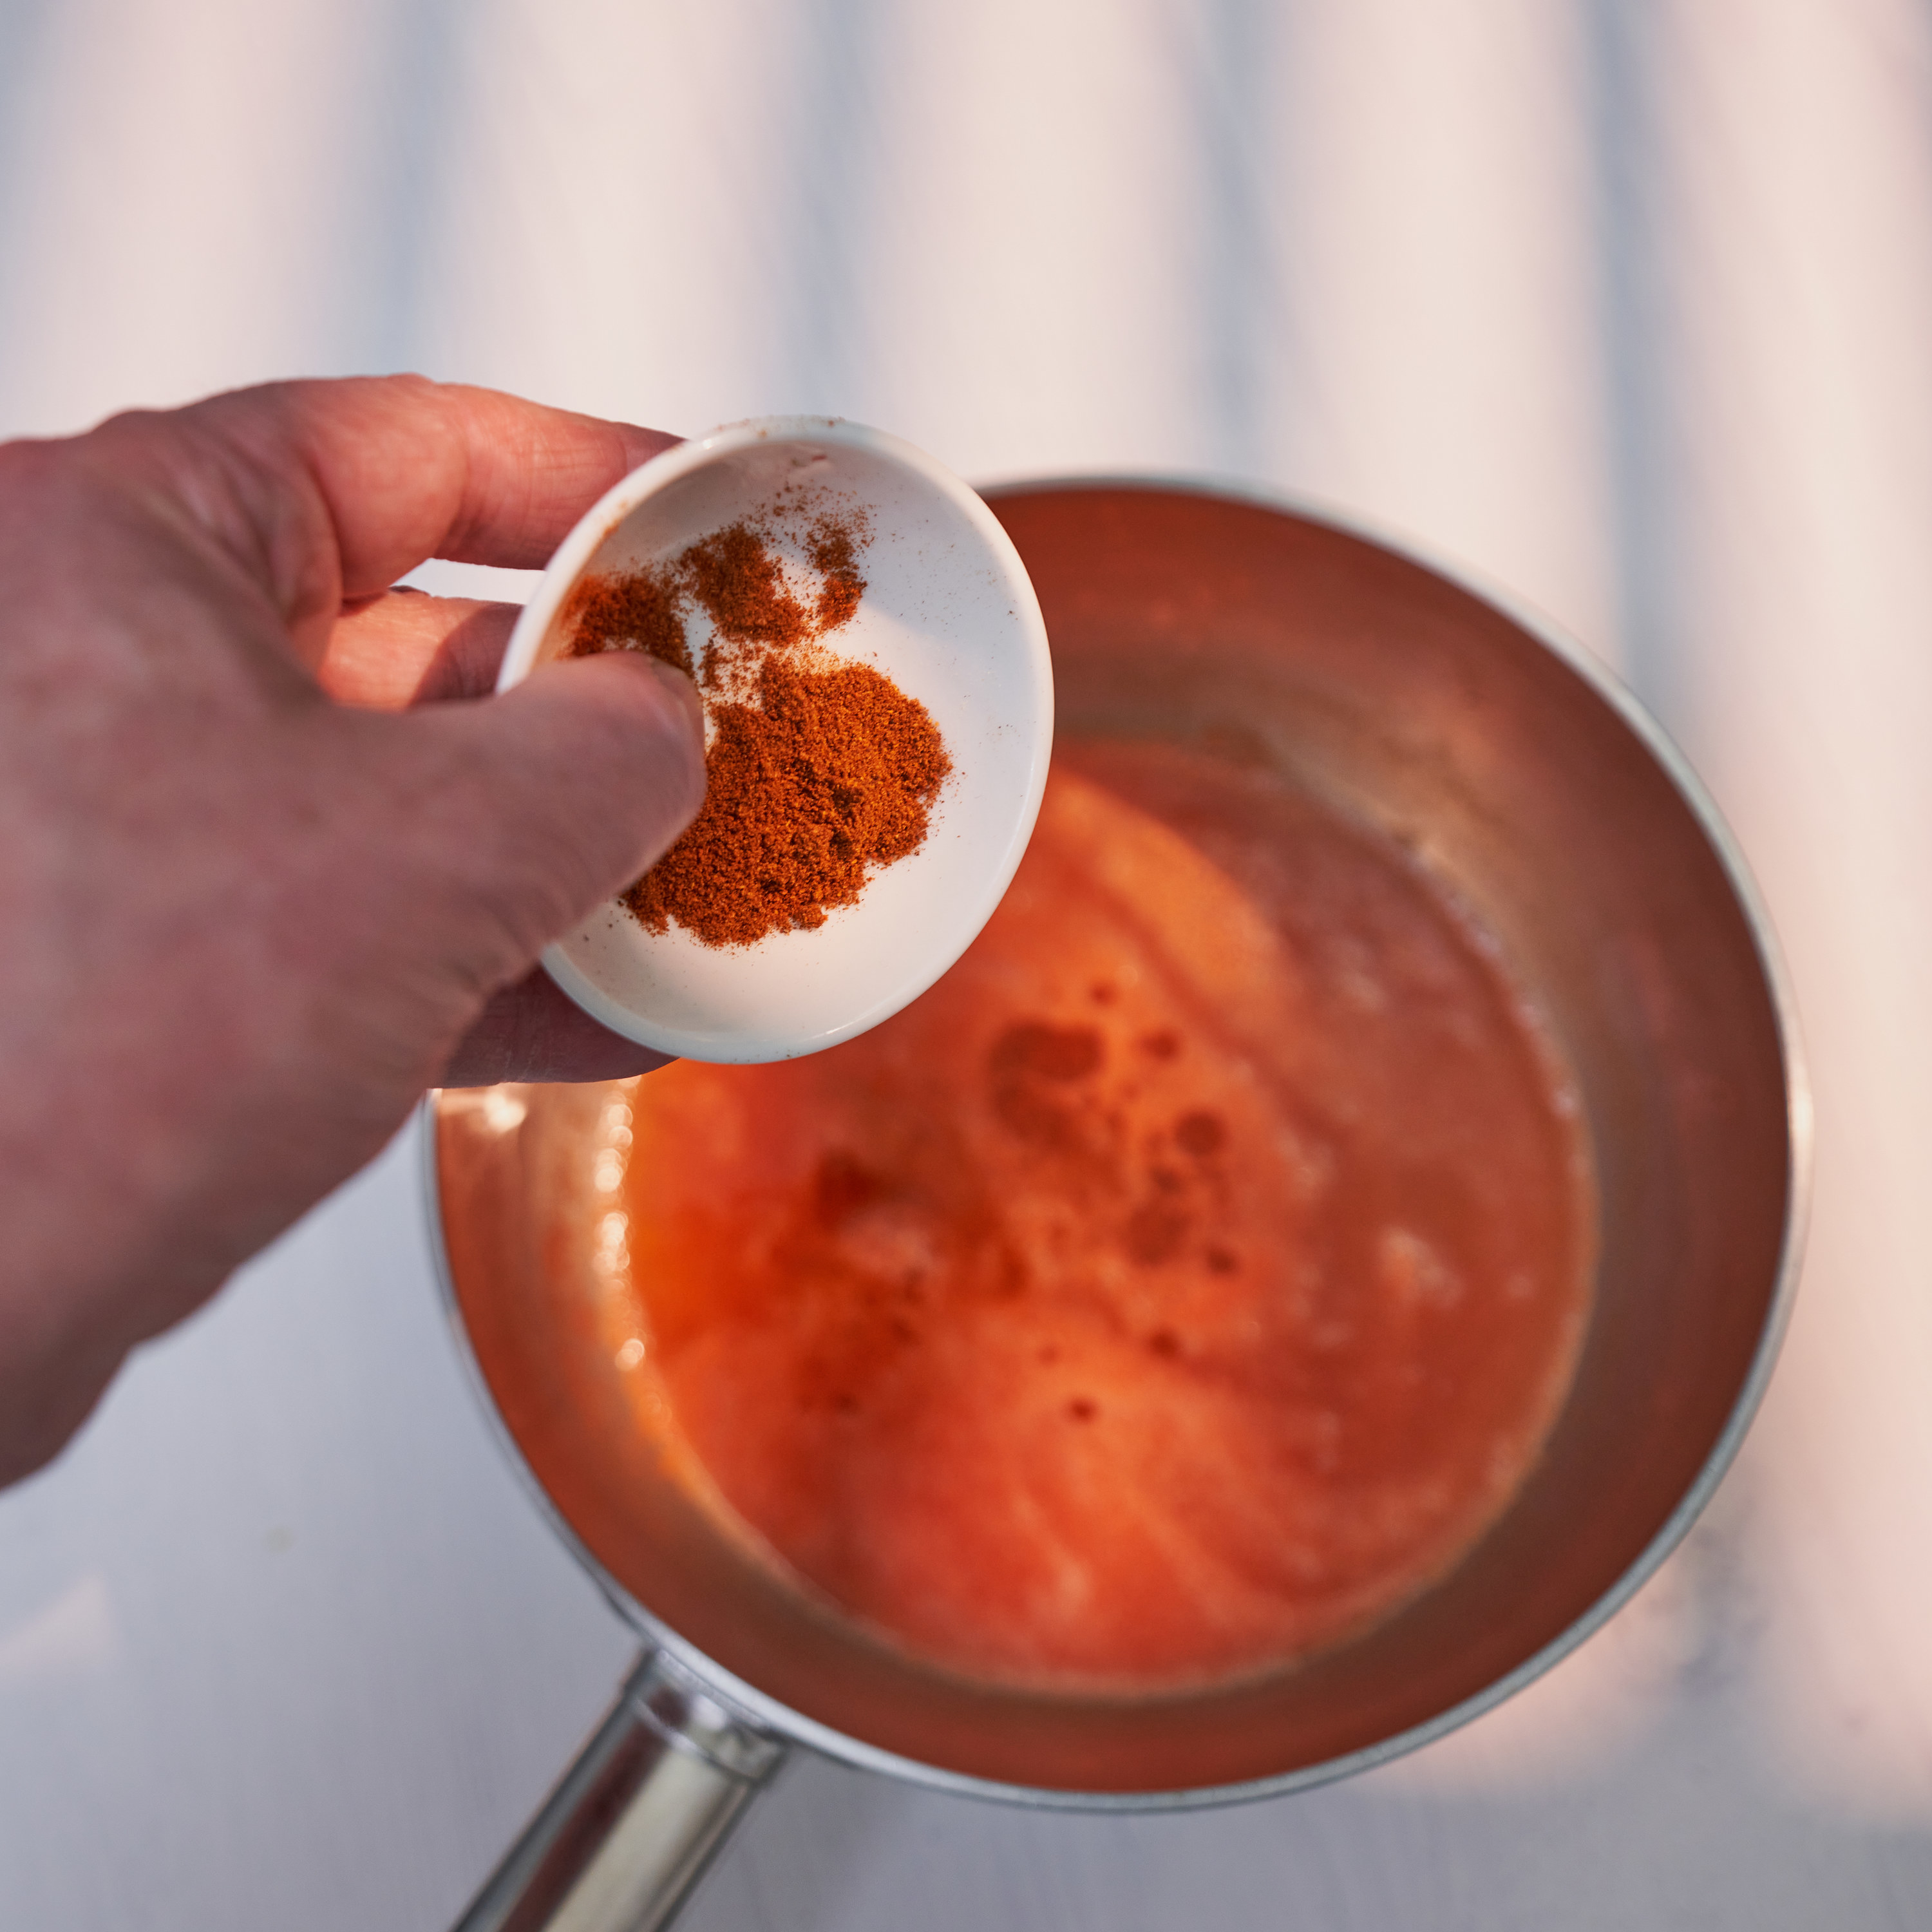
pixel 583 775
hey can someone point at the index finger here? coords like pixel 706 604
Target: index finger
pixel 331 490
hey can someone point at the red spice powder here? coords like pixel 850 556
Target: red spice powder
pixel 829 776
pixel 741 585
pixel 820 771
pixel 635 611
pixel 833 547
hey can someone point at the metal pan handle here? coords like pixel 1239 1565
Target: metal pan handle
pixel 632 1824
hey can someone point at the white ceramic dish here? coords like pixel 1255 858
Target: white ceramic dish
pixel 949 614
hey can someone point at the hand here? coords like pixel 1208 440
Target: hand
pixel 271 861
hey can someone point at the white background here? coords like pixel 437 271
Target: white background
pixel 1626 302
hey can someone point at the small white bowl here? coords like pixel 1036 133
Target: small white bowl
pixel 949 615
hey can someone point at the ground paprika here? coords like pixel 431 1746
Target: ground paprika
pixel 819 770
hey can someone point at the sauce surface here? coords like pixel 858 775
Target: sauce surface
pixel 1180 1286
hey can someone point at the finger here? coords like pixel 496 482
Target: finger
pixel 581 778
pixel 326 492
pixel 530 1030
pixel 402 649
pixel 411 468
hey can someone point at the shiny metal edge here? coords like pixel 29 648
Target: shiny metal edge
pixel 677 1704
pixel 757 1709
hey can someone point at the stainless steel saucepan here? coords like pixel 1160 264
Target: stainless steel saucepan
pixel 1267 634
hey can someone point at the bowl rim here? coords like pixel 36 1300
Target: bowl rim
pixel 768 1714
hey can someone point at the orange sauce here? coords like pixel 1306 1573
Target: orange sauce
pixel 1183 1284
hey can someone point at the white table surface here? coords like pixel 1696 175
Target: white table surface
pixel 1630 307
